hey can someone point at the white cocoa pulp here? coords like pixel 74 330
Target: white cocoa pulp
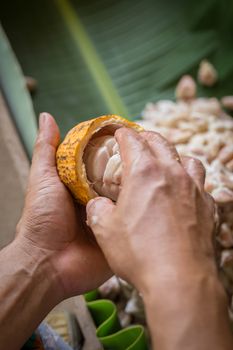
pixel 103 166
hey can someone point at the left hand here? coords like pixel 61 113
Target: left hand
pixel 53 226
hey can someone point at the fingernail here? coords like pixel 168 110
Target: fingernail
pixel 92 221
pixel 42 120
pixel 89 204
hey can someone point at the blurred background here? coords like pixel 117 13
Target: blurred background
pixel 112 56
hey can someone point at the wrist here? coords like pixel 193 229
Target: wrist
pixel 28 288
pixel 174 291
pixel 176 271
pixel 188 311
pixel 36 265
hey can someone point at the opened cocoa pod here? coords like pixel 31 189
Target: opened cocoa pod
pixel 88 160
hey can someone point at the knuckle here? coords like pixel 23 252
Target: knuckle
pixel 39 143
pixel 184 181
pixel 146 168
pixel 178 172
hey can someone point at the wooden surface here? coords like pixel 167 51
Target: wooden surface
pixel 77 306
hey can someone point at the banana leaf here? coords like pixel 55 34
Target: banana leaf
pixel 16 94
pixel 112 56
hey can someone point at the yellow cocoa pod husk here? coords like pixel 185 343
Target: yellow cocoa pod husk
pixel 69 156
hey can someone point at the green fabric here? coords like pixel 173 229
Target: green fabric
pixel 108 329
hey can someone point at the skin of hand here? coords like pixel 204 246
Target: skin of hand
pixel 53 256
pixel 53 223
pixel 159 237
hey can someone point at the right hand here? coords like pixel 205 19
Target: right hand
pixel 162 223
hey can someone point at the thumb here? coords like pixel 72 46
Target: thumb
pixel 98 210
pixel 44 155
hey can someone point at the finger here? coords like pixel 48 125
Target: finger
pixel 160 147
pixel 97 210
pixel 196 170
pixel 134 149
pixel 213 206
pixel 46 144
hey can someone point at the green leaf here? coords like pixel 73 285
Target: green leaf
pixel 112 56
pixel 91 57
pixel 13 82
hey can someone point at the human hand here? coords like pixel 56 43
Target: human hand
pixel 162 223
pixel 158 236
pixel 53 226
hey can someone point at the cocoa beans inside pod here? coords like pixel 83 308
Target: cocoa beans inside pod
pixel 88 160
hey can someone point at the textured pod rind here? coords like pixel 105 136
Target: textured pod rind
pixel 70 166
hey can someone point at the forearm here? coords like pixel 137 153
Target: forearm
pixel 26 292
pixel 189 314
